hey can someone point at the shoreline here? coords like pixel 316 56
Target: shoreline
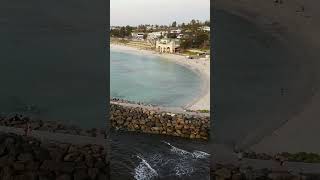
pixel 202 67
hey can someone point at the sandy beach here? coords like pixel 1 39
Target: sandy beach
pixel 200 66
pixel 295 22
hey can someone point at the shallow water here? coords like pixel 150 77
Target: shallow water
pixel 151 79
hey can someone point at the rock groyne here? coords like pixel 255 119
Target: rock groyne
pixel 28 158
pixel 144 120
pixel 19 121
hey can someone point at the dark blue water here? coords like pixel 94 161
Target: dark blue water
pixel 147 157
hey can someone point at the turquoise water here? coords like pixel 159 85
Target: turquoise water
pixel 151 79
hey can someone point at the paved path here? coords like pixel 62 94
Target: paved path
pixel 162 109
pixel 60 137
pixel 224 155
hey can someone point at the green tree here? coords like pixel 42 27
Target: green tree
pixel 122 33
pixel 174 24
pixel 128 30
pixel 145 36
pixel 207 23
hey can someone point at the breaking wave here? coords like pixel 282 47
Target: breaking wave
pixel 144 171
pixel 195 154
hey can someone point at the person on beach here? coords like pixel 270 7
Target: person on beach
pixel 240 155
pixel 280 159
pixel 27 129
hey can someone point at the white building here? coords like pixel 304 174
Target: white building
pixel 138 36
pixel 156 35
pixel 167 45
pixel 176 31
pixel 179 36
pixel 205 28
pixel 114 27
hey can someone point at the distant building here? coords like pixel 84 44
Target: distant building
pixel 166 45
pixel 179 36
pixel 156 35
pixel 114 27
pixel 176 31
pixel 205 28
pixel 148 28
pixel 138 36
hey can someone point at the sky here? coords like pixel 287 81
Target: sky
pixel 162 12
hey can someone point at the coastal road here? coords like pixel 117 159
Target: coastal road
pixel 224 155
pixel 161 109
pixel 59 137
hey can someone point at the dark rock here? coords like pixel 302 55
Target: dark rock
pixel 25 157
pixel 2 150
pixel 26 176
pixel 9 140
pixel 280 176
pixel 102 177
pixel 6 160
pixel 223 173
pixel 237 176
pixel 64 177
pixel 56 154
pixel 6 173
pixel 81 165
pixel 41 154
pixel 32 165
pixel 89 161
pixel 71 156
pixel 46 175
pixel 52 165
pixel 18 166
pixel 100 164
pixel 93 172
pixel 80 175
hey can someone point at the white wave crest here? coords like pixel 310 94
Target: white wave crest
pixel 183 169
pixel 195 154
pixel 144 171
pixel 200 154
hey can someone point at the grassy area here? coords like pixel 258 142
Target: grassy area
pixel 302 157
pixel 204 111
pixel 118 40
pixel 190 53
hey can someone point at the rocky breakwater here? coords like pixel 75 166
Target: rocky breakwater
pixel 19 121
pixel 232 172
pixel 25 158
pixel 142 119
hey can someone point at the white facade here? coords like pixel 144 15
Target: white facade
pixel 176 31
pixel 156 35
pixel 205 28
pixel 137 35
pixel 179 36
pixel 167 45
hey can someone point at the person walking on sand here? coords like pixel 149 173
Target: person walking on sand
pixel 240 156
pixel 27 129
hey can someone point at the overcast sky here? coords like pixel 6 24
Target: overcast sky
pixel 135 12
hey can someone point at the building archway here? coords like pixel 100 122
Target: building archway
pixel 168 49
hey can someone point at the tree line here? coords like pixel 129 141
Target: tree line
pixel 193 37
